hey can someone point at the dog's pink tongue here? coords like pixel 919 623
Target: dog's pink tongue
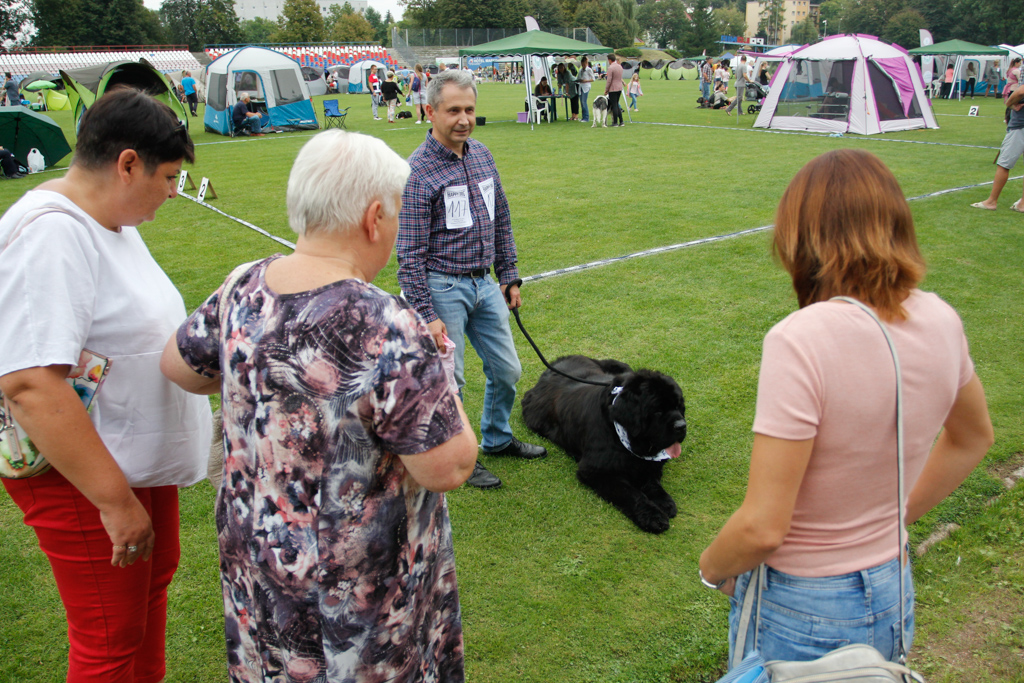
pixel 674 450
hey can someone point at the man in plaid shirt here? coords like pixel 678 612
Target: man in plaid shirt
pixel 707 73
pixel 454 225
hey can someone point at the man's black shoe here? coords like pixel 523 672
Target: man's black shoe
pixel 517 449
pixel 482 478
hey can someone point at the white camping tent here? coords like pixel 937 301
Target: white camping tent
pixel 198 76
pixel 314 78
pixel 273 81
pixel 360 71
pixel 773 56
pixel 847 84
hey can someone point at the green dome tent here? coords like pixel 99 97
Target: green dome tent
pixel 86 85
pixel 653 71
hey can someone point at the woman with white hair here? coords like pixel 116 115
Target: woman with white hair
pixel 340 435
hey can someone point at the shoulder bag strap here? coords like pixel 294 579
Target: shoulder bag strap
pixel 759 575
pixel 901 535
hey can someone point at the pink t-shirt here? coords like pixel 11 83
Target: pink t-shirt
pixel 827 374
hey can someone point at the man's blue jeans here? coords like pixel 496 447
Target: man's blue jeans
pixel 474 307
pixel 252 123
pixel 705 90
pixel 584 96
pixel 804 618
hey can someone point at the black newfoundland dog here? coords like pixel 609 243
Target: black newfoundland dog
pixel 620 435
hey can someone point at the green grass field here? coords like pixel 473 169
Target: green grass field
pixel 556 585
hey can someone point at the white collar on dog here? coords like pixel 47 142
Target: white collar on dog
pixel 624 437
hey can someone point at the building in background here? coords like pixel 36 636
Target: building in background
pixel 793 12
pixel 271 9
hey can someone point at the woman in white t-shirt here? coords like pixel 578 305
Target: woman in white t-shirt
pixel 585 78
pixel 820 509
pixel 74 275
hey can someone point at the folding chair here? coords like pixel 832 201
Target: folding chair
pixel 333 118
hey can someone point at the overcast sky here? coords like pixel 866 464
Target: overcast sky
pixel 381 6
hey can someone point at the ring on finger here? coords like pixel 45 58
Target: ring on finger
pixel 120 547
pixel 133 549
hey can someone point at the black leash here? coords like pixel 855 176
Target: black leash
pixel 515 311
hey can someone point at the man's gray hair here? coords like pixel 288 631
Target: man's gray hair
pixel 457 77
pixel 335 178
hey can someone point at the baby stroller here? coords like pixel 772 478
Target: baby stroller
pixel 756 93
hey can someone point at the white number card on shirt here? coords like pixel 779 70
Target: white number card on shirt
pixel 456 207
pixel 487 191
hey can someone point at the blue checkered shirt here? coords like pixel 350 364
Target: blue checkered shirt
pixel 424 241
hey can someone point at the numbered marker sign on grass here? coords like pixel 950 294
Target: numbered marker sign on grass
pixel 973 111
pixel 202 189
pixel 182 179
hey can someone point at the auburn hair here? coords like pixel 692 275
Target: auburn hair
pixel 843 228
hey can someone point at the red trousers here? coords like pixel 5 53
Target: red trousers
pixel 117 617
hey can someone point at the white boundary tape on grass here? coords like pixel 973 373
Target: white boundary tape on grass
pixel 813 135
pixel 607 261
pixel 707 240
pixel 247 224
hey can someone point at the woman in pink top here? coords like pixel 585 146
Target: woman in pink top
pixel 820 508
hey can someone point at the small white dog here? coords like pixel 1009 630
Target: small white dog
pixel 600 108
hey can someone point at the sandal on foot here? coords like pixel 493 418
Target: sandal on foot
pixel 1018 205
pixel 981 205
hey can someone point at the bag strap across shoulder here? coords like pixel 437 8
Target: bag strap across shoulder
pixel 758 577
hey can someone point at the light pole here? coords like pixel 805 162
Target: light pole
pixel 825 24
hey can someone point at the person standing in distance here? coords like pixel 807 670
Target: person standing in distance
pixel 188 84
pixel 613 89
pixel 1010 153
pixel 743 76
pixel 706 74
pixel 375 96
pixel 585 79
pixel 454 225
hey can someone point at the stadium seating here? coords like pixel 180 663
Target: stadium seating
pixel 21 65
pixel 323 56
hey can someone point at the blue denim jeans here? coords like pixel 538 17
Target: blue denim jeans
pixel 584 96
pixel 252 123
pixel 805 618
pixel 632 100
pixel 705 90
pixel 474 307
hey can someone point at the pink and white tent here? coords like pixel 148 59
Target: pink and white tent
pixel 847 84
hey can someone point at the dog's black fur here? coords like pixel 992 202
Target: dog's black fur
pixel 405 114
pixel 578 417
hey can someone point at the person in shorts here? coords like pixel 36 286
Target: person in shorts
pixel 1009 153
pixel 418 90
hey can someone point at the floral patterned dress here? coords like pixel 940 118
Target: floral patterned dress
pixel 336 566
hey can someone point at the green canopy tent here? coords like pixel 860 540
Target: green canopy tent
pixel 86 85
pixel 959 51
pixel 533 45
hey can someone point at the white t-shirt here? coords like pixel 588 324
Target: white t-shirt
pixel 586 75
pixel 68 284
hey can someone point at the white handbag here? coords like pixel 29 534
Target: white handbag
pixel 853 663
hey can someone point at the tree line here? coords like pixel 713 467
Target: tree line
pixel 986 22
pixel 691 26
pixel 182 22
